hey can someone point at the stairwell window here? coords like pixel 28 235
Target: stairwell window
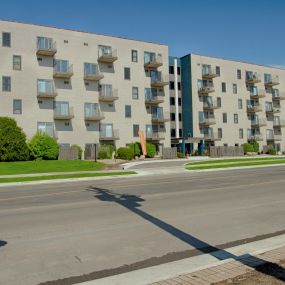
pixel 128 111
pixel 136 130
pixel 135 93
pixel 240 103
pixel 241 133
pixel 224 88
pixel 238 74
pixel 6 83
pixel 17 106
pixel 17 62
pixel 235 118
pixel 6 39
pixel 134 56
pixel 234 88
pixel 127 73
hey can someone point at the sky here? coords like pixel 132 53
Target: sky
pixel 248 30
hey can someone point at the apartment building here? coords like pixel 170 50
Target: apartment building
pixel 175 101
pixel 227 103
pixel 84 88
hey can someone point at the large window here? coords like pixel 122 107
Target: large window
pixel 17 62
pixel 6 39
pixel 6 83
pixel 46 128
pixel 17 106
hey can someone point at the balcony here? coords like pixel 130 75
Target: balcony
pixel 210 106
pixel 153 99
pixel 256 137
pixel 160 118
pixel 46 47
pixel 277 96
pixel 106 135
pixel 271 81
pixel 254 108
pixel 257 94
pixel 252 78
pixel 212 137
pixel 207 122
pixel 272 110
pixel 273 137
pixel 64 73
pixel 59 114
pixel 257 123
pixel 155 136
pixel 94 115
pixel 159 80
pixel 108 95
pixel 46 91
pixel 93 74
pixel 107 55
pixel 153 61
pixel 206 89
pixel 209 73
pixel 279 123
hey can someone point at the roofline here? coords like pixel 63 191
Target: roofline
pixel 234 60
pixel 79 31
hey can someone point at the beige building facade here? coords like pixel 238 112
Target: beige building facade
pixel 84 88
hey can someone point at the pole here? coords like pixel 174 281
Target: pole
pixel 95 150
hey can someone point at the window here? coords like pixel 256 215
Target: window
pixel 172 101
pixel 135 93
pixel 171 85
pixel 179 101
pixel 224 89
pixel 238 74
pixel 220 133
pixel 173 132
pixel 17 106
pixel 128 111
pixel 172 116
pixel 180 117
pixel 46 128
pixel 91 110
pixel 218 70
pixel 134 56
pixel 180 133
pixel 127 73
pixel 61 65
pixel 235 118
pixel 6 83
pixel 90 69
pixel 234 88
pixel 225 118
pixel 240 103
pixel 136 130
pixel 171 69
pixel 179 86
pixel 6 39
pixel 17 62
pixel 178 70
pixel 219 102
pixel 241 133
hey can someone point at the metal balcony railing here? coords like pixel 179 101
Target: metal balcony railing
pixel 260 122
pixel 46 91
pixel 271 81
pixel 93 74
pixel 153 61
pixel 155 136
pixel 108 95
pixel 254 108
pixel 151 99
pixel 59 114
pixel 159 80
pixel 209 73
pixel 212 137
pixel 107 135
pixel 256 137
pixel 211 105
pixel 206 89
pixel 94 115
pixel 65 73
pixel 46 47
pixel 276 96
pixel 279 123
pixel 107 55
pixel 257 93
pixel 207 121
pixel 160 118
pixel 252 77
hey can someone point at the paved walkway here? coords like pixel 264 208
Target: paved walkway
pixel 226 270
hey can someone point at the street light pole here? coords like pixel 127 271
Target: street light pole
pixel 95 152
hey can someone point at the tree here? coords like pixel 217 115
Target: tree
pixel 13 146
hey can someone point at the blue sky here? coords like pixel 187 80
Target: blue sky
pixel 249 30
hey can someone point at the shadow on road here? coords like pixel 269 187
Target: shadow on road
pixel 134 202
pixel 2 243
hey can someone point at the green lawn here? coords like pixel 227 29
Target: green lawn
pixel 238 164
pixel 37 178
pixel 45 166
pixel 216 161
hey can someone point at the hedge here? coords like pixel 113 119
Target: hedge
pixel 125 153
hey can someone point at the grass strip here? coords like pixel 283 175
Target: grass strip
pixel 67 176
pixel 216 161
pixel 202 167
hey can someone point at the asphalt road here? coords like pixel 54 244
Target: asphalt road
pixel 56 231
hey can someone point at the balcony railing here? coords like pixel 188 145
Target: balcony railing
pixel 107 56
pixel 261 122
pixel 108 95
pixel 106 135
pixel 64 73
pixel 206 89
pixel 159 80
pixel 212 137
pixel 154 61
pixel 271 81
pixel 254 108
pixel 256 137
pixel 279 123
pixel 272 110
pixel 211 105
pixel 160 118
pixel 153 99
pixel 273 137
pixel 59 114
pixel 47 92
pixel 207 121
pixel 94 115
pixel 252 77
pixel 46 47
pixel 93 75
pixel 209 73
pixel 276 96
pixel 155 136
pixel 258 93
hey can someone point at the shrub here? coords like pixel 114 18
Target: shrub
pixel 110 150
pixel 247 147
pixel 136 148
pixel 271 151
pixel 125 153
pixel 13 144
pixel 79 149
pixel 150 150
pixel 180 154
pixel 255 145
pixel 102 154
pixel 42 146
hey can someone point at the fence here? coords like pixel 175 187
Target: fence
pixel 68 153
pixel 89 153
pixel 220 151
pixel 169 152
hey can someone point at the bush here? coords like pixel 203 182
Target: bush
pixel 136 148
pixel 102 154
pixel 180 154
pixel 247 147
pixel 125 153
pixel 271 151
pixel 110 150
pixel 150 150
pixel 42 146
pixel 79 150
pixel 255 145
pixel 13 144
